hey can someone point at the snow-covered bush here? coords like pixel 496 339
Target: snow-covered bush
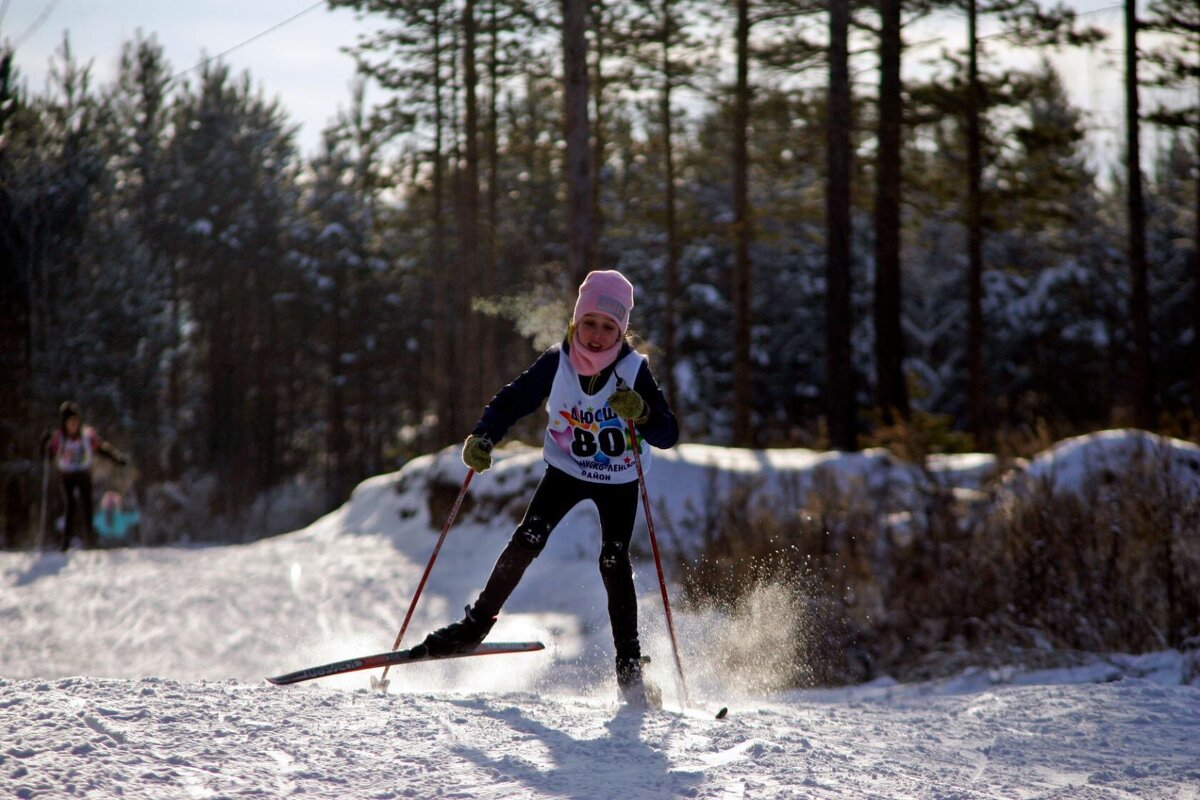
pixel 1097 545
pixel 1092 546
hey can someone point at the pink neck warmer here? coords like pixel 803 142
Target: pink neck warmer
pixel 587 362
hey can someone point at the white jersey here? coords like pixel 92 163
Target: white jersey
pixel 584 437
pixel 75 454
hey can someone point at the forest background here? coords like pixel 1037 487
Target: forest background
pixel 828 253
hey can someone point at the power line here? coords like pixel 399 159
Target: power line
pixel 37 23
pixel 253 38
pixel 1099 10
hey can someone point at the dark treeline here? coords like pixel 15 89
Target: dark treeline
pixel 221 304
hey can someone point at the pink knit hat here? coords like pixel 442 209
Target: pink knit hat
pixel 605 292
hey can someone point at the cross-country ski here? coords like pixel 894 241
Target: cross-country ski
pixel 395 657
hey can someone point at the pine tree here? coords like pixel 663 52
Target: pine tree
pixel 65 175
pixel 1024 24
pixel 781 46
pixel 743 232
pixel 230 206
pixel 414 60
pixel 138 124
pixel 1175 66
pixel 1051 323
pixel 891 388
pixel 472 365
pixel 576 132
pixel 1139 300
pixel 18 131
pixel 345 273
pixel 839 371
pixel 1054 288
pixel 667 59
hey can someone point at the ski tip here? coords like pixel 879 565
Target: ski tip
pixel 721 714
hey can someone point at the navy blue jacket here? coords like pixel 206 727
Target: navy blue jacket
pixel 529 391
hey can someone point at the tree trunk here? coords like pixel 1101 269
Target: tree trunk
pixel 449 422
pixel 224 393
pixel 743 234
pixel 457 268
pixel 173 457
pixel 1196 279
pixel 839 375
pixel 268 407
pixel 15 300
pixel 1143 399
pixel 672 266
pixel 14 346
pixel 576 133
pixel 493 282
pixel 600 143
pixel 472 361
pixel 336 391
pixel 891 389
pixel 977 422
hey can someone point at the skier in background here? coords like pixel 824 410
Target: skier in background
pixel 585 384
pixel 73 447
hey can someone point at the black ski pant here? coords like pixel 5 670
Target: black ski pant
pixel 557 494
pixel 78 483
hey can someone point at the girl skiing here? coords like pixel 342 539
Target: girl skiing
pixel 590 384
pixel 72 447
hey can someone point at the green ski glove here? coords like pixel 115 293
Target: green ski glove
pixel 477 453
pixel 628 404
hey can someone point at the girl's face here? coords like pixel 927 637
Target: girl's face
pixel 72 426
pixel 597 331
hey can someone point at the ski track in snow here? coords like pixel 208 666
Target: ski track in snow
pixel 80 718
pixel 90 737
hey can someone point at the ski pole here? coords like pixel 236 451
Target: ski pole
pixel 381 684
pixel 662 581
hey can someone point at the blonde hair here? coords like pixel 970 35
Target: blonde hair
pixel 631 337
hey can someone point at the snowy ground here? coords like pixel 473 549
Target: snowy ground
pixel 138 673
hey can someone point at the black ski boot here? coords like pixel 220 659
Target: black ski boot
pixel 458 637
pixel 636 690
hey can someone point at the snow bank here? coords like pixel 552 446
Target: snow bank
pixel 687 479
pixel 1105 457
